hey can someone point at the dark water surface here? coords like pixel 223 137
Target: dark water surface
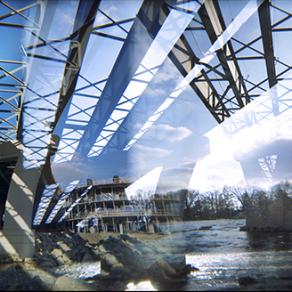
pixel 229 259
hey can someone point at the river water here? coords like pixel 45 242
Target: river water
pixel 230 259
pixel 226 258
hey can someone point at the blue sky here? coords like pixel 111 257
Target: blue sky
pixel 185 140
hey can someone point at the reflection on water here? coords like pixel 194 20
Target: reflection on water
pixel 226 258
pixel 225 269
pixel 218 236
pixel 85 270
pixel 224 255
pixel 141 286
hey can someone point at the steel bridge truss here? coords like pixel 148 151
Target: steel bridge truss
pixel 219 83
pixel 49 89
pixel 13 69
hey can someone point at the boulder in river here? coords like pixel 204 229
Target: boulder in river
pixel 205 228
pixel 245 281
pixel 128 258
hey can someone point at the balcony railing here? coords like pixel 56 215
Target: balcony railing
pixel 122 213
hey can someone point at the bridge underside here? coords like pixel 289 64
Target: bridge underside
pixel 183 85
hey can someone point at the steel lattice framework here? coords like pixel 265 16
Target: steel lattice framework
pixel 46 85
pixel 13 68
pixel 234 92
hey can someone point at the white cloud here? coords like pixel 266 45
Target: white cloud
pixel 168 133
pixel 216 171
pixel 169 73
pixel 156 92
pixel 150 152
pixel 68 171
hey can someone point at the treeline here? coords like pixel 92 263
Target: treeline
pixel 268 210
pixel 235 202
pixel 209 205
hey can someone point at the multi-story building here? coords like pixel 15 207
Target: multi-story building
pixel 107 208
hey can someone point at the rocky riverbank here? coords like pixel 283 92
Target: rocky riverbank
pixel 54 252
pixel 65 261
pixel 126 258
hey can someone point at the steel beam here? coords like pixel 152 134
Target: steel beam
pixel 266 29
pixel 214 24
pixel 10 99
pixel 184 58
pixel 202 86
pixel 267 38
pixel 83 25
pixel 77 51
pixel 82 28
pixel 138 41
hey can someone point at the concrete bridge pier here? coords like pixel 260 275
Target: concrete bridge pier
pixel 17 237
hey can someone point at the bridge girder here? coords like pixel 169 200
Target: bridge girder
pixel 12 73
pixel 214 24
pixel 117 82
pixel 149 20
